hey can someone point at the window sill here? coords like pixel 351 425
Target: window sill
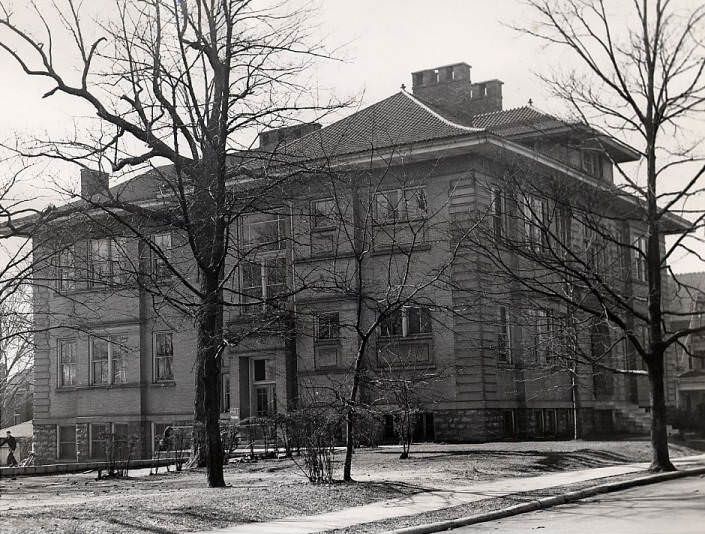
pixel 333 342
pixel 163 383
pixel 126 385
pixel 400 248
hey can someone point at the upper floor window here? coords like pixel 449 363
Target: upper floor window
pixel 108 360
pixel 407 321
pixel 323 213
pixel 591 162
pixel 265 231
pixel 163 357
pixel 499 213
pixel 400 205
pixel 67 362
pixel 534 214
pixel 161 252
pixel 107 260
pixel 66 269
pixel 328 326
pixel 640 267
pixel 263 283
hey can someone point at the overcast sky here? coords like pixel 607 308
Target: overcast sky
pixel 385 40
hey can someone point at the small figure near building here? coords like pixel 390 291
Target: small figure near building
pixel 11 442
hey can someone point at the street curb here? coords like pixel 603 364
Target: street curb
pixel 547 502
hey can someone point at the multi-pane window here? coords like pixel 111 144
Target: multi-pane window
pixel 263 387
pixel 265 232
pixel 107 261
pixel 504 336
pixel 120 441
pixel 163 357
pixel 640 258
pixel 563 229
pixel 400 204
pixel 67 362
pixel 161 254
pixel 534 211
pixel 66 442
pixel 263 282
pixel 323 213
pixel 108 360
pixel 327 326
pixel 408 321
pixel 66 269
pixel 100 439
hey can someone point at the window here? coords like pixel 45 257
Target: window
pixel 225 397
pixel 100 440
pixel 161 254
pixel 323 213
pixel 263 387
pixel 591 163
pixel 640 259
pixel 163 357
pixel 534 211
pixel 265 232
pixel 327 326
pixel 543 337
pixel 400 205
pixel 563 230
pixel 66 269
pixel 409 321
pixel 100 362
pixel 108 360
pixel 499 214
pixel 504 336
pixel 263 283
pixel 67 362
pixel 107 261
pixel 66 439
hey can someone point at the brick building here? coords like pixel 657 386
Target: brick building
pixel 397 177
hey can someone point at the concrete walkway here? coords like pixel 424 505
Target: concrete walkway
pixel 437 499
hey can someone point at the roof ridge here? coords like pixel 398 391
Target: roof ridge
pixel 439 116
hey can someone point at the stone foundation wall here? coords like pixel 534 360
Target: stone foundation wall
pixel 44 444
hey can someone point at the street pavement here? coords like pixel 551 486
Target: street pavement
pixel 673 507
pixel 439 498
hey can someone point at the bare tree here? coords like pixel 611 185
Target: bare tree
pixel 383 253
pixel 175 82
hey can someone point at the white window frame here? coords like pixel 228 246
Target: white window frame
pixel 269 383
pixel 66 271
pixel 155 367
pixel 322 323
pixel 264 263
pixel 60 364
pixel 267 246
pixel 111 358
pixel 639 258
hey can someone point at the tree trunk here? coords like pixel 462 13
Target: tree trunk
pixel 659 435
pixel 349 427
pixel 207 446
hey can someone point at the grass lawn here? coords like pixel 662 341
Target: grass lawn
pixel 180 502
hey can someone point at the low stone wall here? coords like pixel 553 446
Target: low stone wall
pixel 56 469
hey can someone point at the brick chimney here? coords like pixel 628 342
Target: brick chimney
pixel 450 88
pixel 271 139
pixel 93 183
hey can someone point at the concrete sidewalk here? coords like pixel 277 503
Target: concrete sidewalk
pixel 437 499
